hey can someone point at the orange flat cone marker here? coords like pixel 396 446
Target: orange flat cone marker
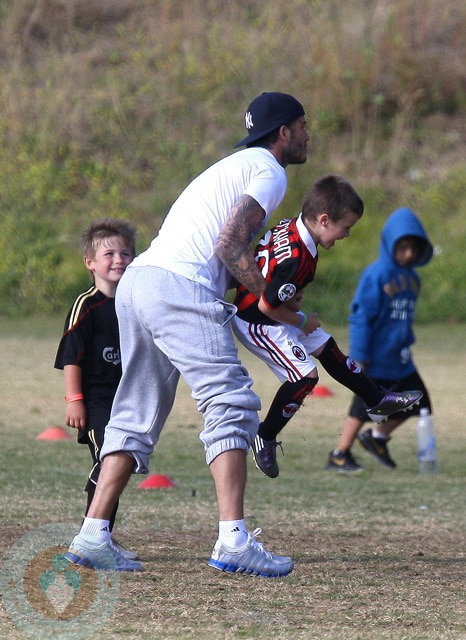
pixel 321 392
pixel 156 481
pixel 54 433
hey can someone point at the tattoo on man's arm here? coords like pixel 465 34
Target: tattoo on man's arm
pixel 233 243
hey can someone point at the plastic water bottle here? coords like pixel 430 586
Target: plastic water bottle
pixel 426 446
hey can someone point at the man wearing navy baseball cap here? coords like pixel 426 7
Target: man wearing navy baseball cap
pixel 202 246
pixel 267 113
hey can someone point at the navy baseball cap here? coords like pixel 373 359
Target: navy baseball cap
pixel 268 112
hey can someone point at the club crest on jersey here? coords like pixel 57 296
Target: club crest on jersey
pixel 299 353
pixel 290 410
pixel 353 366
pixel 286 292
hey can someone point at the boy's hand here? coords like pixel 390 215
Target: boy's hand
pixel 76 414
pixel 312 323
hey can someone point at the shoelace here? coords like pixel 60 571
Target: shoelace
pixel 115 549
pixel 270 446
pixel 385 390
pixel 257 545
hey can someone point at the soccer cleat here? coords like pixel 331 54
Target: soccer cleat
pixel 100 556
pixel 343 462
pixel 265 456
pixel 377 447
pixel 129 555
pixel 251 558
pixel 392 402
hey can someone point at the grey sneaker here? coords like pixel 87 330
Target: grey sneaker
pixel 343 462
pixel 377 447
pixel 392 402
pixel 102 557
pixel 129 555
pixel 251 558
pixel 265 456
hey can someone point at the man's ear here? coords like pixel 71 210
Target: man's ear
pixel 284 132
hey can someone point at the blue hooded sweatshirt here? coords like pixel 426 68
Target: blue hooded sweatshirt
pixel 382 310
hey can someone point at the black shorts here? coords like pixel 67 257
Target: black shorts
pixel 413 382
pixel 95 440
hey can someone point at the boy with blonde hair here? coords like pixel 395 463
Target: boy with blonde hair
pixel 89 350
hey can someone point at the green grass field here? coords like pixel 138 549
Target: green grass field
pixel 378 556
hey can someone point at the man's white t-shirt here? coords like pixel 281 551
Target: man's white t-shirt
pixel 186 240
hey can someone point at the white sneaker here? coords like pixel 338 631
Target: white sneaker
pixel 100 556
pixel 251 558
pixel 129 555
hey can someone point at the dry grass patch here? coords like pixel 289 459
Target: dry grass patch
pixel 380 555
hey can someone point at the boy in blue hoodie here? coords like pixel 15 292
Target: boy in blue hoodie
pixel 381 334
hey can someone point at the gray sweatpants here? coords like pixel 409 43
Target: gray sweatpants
pixel 169 326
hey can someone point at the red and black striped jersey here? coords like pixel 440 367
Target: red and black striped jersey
pixel 287 265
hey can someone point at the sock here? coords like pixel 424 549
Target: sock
pixel 90 488
pixel 345 371
pixel 232 533
pixel 95 530
pixel 377 434
pixel 289 397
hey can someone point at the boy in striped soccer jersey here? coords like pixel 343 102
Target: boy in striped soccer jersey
pixel 274 327
pixel 89 350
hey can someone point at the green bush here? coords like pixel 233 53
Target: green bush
pixel 111 108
